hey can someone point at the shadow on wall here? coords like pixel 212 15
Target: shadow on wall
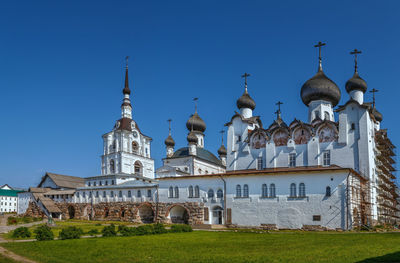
pixel 393 257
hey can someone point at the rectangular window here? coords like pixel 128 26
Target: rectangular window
pixel 327 158
pixel 292 160
pixel 148 193
pixel 259 163
pixel 239 138
pixel 316 217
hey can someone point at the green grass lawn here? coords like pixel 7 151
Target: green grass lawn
pixel 203 246
pixel 4 259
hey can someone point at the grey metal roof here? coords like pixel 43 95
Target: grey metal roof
pixel 200 153
pixel 128 184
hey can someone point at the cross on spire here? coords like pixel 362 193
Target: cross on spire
pixel 169 126
pixel 245 75
pixel 373 91
pixel 278 112
pixel 319 45
pixel 126 61
pixel 195 104
pixel 222 135
pixel 355 52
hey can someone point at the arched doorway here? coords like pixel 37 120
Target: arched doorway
pixel 146 214
pixel 217 215
pixel 71 212
pixel 178 215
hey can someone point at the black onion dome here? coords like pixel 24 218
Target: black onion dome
pixel 169 141
pixel 196 123
pixel 377 115
pixel 245 101
pixel 320 87
pixel 222 150
pixel 192 138
pixel 356 83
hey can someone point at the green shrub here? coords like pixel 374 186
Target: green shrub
pixel 159 229
pixel 43 233
pixel 144 230
pixel 71 232
pixel 181 228
pixel 12 220
pixel 109 231
pixel 21 232
pixel 97 224
pixel 93 232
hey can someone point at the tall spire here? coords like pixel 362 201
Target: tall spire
pixel 126 103
pixel 126 89
pixel 355 52
pixel 319 45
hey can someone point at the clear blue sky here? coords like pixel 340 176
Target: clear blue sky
pixel 61 70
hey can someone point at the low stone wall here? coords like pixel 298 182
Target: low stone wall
pixel 34 210
pixel 148 212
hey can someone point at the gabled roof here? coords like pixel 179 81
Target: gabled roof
pixel 64 181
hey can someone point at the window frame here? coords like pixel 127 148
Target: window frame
pixel 292 160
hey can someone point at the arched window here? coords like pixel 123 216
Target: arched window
pixel 245 190
pixel 100 183
pixel 114 145
pixel 138 168
pixel 238 191
pixel 129 193
pixel 139 194
pixel 112 182
pixel 176 192
pixel 220 193
pixel 302 190
pixel 196 191
pixel 97 194
pixel 272 190
pixel 94 183
pixel 190 191
pixel 77 194
pixel 104 194
pixel 112 166
pixel 264 192
pixel 328 191
pixel 326 115
pixel 120 194
pixel 84 194
pixel 148 193
pixel 211 193
pixel 293 190
pixel 112 194
pixel 106 182
pixel 88 183
pixel 135 147
pixel 171 192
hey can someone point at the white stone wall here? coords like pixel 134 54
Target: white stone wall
pixel 281 210
pixel 8 204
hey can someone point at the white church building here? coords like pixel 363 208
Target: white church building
pixel 334 171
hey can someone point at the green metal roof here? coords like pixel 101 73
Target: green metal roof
pixel 5 192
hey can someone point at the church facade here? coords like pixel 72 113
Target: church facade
pixel 334 171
